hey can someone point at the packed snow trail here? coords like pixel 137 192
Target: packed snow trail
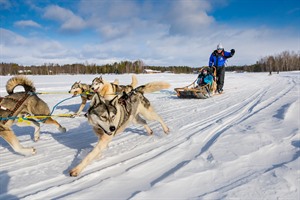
pixel 241 144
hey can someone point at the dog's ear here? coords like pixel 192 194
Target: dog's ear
pixel 96 100
pixel 114 100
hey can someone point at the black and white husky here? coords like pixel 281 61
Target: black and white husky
pixel 109 118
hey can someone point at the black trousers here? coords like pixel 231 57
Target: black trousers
pixel 220 77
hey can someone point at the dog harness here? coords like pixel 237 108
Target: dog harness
pixel 12 113
pixel 1 107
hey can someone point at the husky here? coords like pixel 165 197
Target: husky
pixel 110 90
pixel 85 92
pixel 110 117
pixel 16 105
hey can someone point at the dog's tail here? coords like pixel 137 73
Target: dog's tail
pixel 134 81
pixel 116 81
pixel 153 87
pixel 19 80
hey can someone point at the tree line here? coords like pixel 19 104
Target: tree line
pixel 285 61
pixel 78 68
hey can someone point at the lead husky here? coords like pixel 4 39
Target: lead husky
pixel 85 92
pixel 110 90
pixel 16 105
pixel 109 118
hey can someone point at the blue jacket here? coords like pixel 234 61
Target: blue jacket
pixel 203 80
pixel 218 59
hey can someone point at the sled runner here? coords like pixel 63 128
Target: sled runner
pixel 195 91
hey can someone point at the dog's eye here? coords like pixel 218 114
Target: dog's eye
pixel 113 117
pixel 104 118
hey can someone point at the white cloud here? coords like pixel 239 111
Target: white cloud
pixel 154 48
pixel 110 10
pixel 111 18
pixel 9 38
pixel 69 21
pixel 123 10
pixel 180 34
pixel 113 31
pixel 188 17
pixel 29 51
pixel 27 23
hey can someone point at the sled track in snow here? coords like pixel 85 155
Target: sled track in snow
pixel 242 112
pixel 131 151
pixel 234 115
pixel 198 129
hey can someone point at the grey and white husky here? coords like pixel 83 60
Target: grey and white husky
pixel 110 117
pixel 85 92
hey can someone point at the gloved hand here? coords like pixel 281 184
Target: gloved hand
pixel 232 51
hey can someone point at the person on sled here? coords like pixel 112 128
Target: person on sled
pixel 205 78
pixel 218 59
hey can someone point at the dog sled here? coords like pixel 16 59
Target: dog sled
pixel 193 90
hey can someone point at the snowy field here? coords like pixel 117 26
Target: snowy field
pixel 243 144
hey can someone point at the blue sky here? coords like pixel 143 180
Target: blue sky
pixel 158 32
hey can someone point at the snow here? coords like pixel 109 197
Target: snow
pixel 243 144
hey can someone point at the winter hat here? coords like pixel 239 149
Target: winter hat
pixel 220 46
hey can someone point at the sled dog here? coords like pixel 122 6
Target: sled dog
pixel 110 117
pixel 20 104
pixel 110 90
pixel 85 92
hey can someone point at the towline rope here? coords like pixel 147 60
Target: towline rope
pixel 43 117
pixel 61 93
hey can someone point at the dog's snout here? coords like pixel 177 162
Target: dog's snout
pixel 92 88
pixel 112 128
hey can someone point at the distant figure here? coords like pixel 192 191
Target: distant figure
pixel 218 59
pixel 205 78
pixel 270 73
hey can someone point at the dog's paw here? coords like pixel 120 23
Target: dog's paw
pixel 74 172
pixel 30 151
pixel 167 130
pixel 36 138
pixel 62 129
pixel 150 132
pixel 33 151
